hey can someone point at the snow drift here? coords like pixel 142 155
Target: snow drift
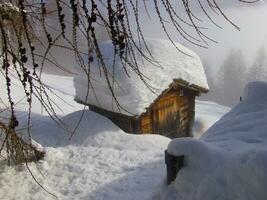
pixel 90 129
pixel 206 114
pixel 230 159
pixel 165 64
pixel 99 162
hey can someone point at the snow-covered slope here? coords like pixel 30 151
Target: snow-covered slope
pixel 206 114
pixel 131 92
pixel 61 94
pixel 100 162
pixel 230 160
pixel 91 129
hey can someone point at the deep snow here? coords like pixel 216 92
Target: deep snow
pixel 102 162
pixel 165 64
pixel 229 161
pixel 62 94
pixel 206 114
pixel 99 162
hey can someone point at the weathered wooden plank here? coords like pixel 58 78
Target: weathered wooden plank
pixel 146 124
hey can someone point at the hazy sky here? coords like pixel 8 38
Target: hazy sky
pixel 252 19
pixel 253 34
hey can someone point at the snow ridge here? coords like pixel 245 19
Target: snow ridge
pixel 230 159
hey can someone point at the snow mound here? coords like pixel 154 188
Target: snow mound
pixel 88 129
pixel 165 64
pixel 99 162
pixel 97 130
pixel 255 89
pixel 206 114
pixel 61 92
pixel 229 161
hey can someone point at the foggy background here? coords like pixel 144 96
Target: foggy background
pixel 238 57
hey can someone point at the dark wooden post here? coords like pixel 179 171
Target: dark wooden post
pixel 173 166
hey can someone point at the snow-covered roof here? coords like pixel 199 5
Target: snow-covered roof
pixel 170 62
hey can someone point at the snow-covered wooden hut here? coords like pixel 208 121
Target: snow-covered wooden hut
pixel 174 73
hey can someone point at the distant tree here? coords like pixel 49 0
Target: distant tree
pixel 219 84
pixel 31 30
pixel 231 78
pixel 258 70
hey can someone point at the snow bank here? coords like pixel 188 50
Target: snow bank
pixel 86 173
pixel 99 162
pixel 61 93
pixel 206 114
pixel 230 160
pixel 131 92
pixel 90 129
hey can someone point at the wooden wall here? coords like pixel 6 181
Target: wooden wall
pixel 127 123
pixel 171 115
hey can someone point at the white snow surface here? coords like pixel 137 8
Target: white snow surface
pixel 229 161
pixel 100 162
pixel 206 114
pixel 62 94
pixel 167 62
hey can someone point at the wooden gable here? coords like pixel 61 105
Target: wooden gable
pixel 171 114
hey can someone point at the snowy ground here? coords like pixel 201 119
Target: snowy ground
pixel 100 161
pixel 207 113
pixel 229 161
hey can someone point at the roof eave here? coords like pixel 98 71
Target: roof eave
pixel 191 86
